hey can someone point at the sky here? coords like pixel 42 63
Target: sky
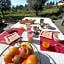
pixel 54 0
pixel 23 2
pixel 18 2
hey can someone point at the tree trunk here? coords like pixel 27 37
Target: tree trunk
pixel 2 13
pixel 36 12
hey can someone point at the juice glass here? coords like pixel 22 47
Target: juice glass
pixel 30 37
pixel 28 27
pixel 29 31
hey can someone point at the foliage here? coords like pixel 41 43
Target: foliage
pixel 5 5
pixel 61 15
pixel 53 17
pixel 36 4
pixel 61 9
pixel 13 8
pixel 51 11
pixel 18 7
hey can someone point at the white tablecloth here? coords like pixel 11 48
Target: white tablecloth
pixel 45 56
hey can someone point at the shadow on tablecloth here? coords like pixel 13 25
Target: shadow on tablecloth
pixel 36 41
pixel 44 58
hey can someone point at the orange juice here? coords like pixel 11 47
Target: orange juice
pixel 45 44
pixel 30 37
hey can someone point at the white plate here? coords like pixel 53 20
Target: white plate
pixel 2 56
pixel 43 57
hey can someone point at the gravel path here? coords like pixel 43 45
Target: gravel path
pixel 57 23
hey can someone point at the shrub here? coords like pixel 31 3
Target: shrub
pixel 61 15
pixel 53 17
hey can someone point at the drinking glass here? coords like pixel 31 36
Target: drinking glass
pixel 30 37
pixel 41 21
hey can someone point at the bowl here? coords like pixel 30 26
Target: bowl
pixel 58 37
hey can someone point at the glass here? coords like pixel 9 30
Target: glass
pixel 29 31
pixel 41 21
pixel 45 44
pixel 28 27
pixel 28 24
pixel 30 37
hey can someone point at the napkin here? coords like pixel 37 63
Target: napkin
pixel 46 34
pixel 5 33
pixel 11 37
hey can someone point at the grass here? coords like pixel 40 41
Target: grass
pixel 30 13
pixel 21 13
pixel 12 16
pixel 50 11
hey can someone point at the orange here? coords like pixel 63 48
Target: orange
pixel 11 63
pixel 14 51
pixel 45 44
pixel 22 28
pixel 7 58
pixel 32 59
pixel 24 62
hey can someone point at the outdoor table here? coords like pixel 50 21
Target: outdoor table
pixel 45 56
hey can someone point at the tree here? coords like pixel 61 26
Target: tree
pixel 5 5
pixel 36 4
pixel 13 8
pixel 51 3
pixel 25 7
pixel 19 7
